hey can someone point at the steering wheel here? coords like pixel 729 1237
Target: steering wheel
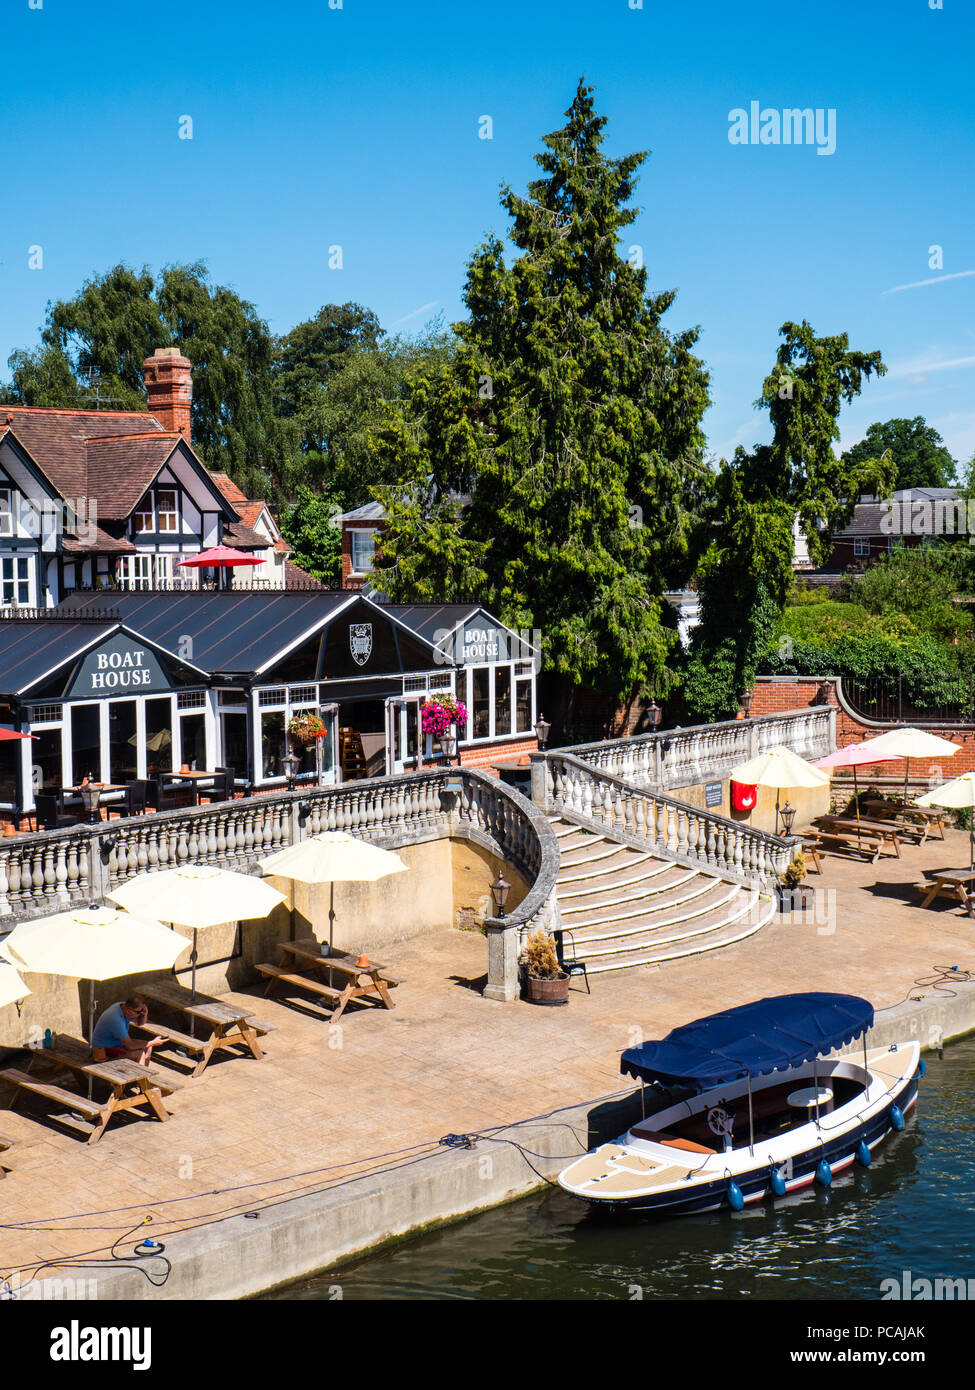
pixel 719 1121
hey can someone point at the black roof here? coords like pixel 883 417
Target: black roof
pixel 30 649
pixel 234 631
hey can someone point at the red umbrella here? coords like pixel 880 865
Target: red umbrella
pixel 221 556
pixel 6 734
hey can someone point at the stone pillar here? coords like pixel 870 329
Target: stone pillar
pixel 540 781
pixel 502 981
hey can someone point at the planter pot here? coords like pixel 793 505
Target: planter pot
pixel 796 899
pixel 550 992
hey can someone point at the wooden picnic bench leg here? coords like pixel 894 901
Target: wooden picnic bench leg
pixel 106 1113
pixel 931 896
pixel 154 1096
pixel 207 1053
pixel 384 993
pixel 344 997
pixel 250 1038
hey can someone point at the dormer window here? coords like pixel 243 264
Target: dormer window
pixel 6 513
pixel 166 507
pixel 143 518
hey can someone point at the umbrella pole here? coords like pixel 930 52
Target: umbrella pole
pixel 776 810
pixel 193 984
pixel 331 915
pixel 91 1023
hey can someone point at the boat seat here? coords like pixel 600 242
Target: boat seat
pixel 657 1136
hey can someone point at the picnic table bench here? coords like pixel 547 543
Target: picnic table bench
pixel 5 1143
pixel 931 817
pixel 958 883
pixel 863 835
pixel 308 954
pixel 130 1084
pixel 231 1025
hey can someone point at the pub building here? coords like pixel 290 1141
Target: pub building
pixel 133 685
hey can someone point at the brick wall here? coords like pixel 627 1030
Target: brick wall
pixel 487 756
pixel 775 694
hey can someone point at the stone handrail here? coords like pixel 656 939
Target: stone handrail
pixel 662 823
pixel 47 871
pixel 680 757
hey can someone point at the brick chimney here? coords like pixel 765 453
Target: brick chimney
pixel 169 388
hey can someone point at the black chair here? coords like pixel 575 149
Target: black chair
pixel 137 797
pixel 50 813
pixel 169 798
pixel 571 965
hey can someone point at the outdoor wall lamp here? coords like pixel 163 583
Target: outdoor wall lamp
pixel 542 727
pixel 656 714
pixel 788 814
pixel 91 799
pixel 746 702
pixel 448 742
pixel 291 763
pixel 499 892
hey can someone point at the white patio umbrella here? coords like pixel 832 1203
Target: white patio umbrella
pixel 912 743
pixel 779 767
pixel 333 857
pixel 12 987
pixel 958 794
pixel 197 895
pixel 92 943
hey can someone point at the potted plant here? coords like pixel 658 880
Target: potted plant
pixel 791 892
pixel 545 980
pixel 438 714
pixel 305 729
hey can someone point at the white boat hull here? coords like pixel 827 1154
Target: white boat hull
pixel 656 1169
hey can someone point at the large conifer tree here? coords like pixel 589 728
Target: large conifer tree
pixel 549 471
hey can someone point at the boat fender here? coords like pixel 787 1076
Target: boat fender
pixel 735 1199
pixel 824 1174
pixel 922 1069
pixel 863 1153
pixel 897 1117
pixel 777 1183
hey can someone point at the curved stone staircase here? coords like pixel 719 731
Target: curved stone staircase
pixel 626 906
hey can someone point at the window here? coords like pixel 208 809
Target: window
pixel 15 582
pixel 274 696
pixel 481 703
pixel 45 714
pixel 46 771
pixel 164 571
pixel 363 550
pixel 861 547
pixel 168 514
pixel 142 517
pixel 523 705
pixel 6 513
pixel 893 542
pixel 191 699
pixel 502 700
pixel 135 571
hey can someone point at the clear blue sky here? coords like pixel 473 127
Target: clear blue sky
pixel 359 126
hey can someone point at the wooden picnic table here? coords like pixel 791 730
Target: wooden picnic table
pixel 131 1085
pixel 930 816
pixel 956 883
pixel 853 833
pixel 308 954
pixel 230 1025
pixel 76 1055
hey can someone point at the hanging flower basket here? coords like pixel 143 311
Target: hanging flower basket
pixel 440 712
pixel 306 728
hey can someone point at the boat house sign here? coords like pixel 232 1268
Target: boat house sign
pixel 483 644
pixel 118 665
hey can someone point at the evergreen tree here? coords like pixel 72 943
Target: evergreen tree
pixel 746 570
pixel 551 469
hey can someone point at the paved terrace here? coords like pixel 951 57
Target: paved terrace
pixel 446 1060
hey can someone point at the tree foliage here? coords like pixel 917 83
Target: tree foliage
pixel 918 452
pixel 746 572
pixel 550 469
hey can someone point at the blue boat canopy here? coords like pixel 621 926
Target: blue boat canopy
pixel 751 1040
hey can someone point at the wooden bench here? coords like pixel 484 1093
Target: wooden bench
pixel 76 1103
pixel 5 1143
pixel 867 839
pixel 277 974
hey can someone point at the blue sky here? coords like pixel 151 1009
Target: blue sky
pixel 359 127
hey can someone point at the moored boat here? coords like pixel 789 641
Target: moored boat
pixel 766 1111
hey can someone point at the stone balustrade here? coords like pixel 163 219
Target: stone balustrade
pixel 571 787
pixel 672 758
pixel 45 872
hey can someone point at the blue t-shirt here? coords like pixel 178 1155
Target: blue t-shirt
pixel 112 1028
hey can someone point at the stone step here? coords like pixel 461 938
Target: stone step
pixel 599 899
pixel 614 858
pixel 698 910
pixel 712 940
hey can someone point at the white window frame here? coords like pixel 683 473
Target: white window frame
pixel 165 515
pixel 16 560
pixel 861 547
pixel 6 512
pixel 356 568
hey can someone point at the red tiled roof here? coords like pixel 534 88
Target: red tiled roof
pixel 122 468
pixel 229 488
pixel 57 440
pixel 294 575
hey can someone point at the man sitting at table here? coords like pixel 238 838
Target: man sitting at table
pixel 111 1035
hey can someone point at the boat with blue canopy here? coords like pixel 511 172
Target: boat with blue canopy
pixel 751 1104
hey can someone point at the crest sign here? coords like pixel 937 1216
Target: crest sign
pixel 360 642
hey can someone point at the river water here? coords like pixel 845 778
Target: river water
pixel 912 1210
